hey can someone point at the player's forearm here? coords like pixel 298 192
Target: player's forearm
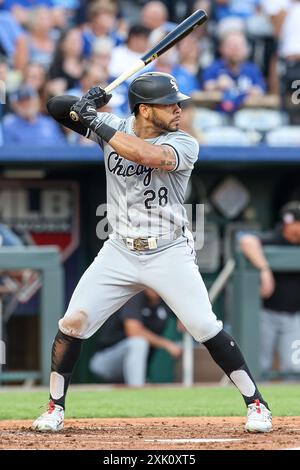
pixel 252 249
pixel 137 150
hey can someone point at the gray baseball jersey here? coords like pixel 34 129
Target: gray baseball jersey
pixel 144 201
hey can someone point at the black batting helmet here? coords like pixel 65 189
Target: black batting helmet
pixel 154 88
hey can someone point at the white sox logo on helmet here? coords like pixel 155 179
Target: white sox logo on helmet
pixel 174 84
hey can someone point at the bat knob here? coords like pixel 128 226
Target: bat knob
pixel 74 116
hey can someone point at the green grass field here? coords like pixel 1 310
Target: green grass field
pixel 150 402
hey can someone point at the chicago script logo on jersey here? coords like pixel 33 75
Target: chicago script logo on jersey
pixel 116 165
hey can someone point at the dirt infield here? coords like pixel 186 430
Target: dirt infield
pixel 146 433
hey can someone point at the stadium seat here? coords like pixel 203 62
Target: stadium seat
pixel 206 118
pixel 261 120
pixel 287 136
pixel 227 135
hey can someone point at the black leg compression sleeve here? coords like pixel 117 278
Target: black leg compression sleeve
pixel 65 354
pixel 59 108
pixel 227 354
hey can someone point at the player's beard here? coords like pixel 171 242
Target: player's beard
pixel 171 126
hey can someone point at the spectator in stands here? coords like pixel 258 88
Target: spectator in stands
pixel 65 12
pixel 80 15
pixel 240 8
pixel 35 77
pixel 27 125
pixel 13 5
pixel 41 44
pixel 169 63
pixel 61 10
pixel 4 70
pixel 189 53
pixel 102 54
pixel 91 76
pixel 67 64
pixel 179 10
pixel 128 338
pixel 102 22
pixel 155 15
pixel 206 41
pixel 13 43
pixel 285 16
pixel 127 54
pixel 280 317
pixel 233 75
pixel 187 121
pixel 20 9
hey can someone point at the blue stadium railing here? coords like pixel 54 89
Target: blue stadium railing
pixel 72 153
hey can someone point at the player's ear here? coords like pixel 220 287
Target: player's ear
pixel 145 110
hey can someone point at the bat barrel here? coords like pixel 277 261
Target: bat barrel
pixel 182 30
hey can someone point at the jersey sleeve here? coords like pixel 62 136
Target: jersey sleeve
pixel 186 149
pixel 110 120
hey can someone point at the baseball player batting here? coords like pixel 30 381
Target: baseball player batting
pixel 148 162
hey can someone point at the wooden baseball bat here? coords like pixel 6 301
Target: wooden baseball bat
pixel 182 30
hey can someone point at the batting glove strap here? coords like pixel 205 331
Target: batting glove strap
pixel 103 130
pixel 88 116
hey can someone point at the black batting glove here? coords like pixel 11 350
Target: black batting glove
pixel 98 96
pixel 87 113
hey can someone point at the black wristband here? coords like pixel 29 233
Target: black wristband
pixel 105 132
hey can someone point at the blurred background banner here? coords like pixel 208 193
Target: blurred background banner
pixel 42 212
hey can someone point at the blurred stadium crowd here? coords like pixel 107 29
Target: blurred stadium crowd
pixel 242 69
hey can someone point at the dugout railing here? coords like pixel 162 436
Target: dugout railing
pixel 47 261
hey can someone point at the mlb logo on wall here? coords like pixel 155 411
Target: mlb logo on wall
pixel 41 213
